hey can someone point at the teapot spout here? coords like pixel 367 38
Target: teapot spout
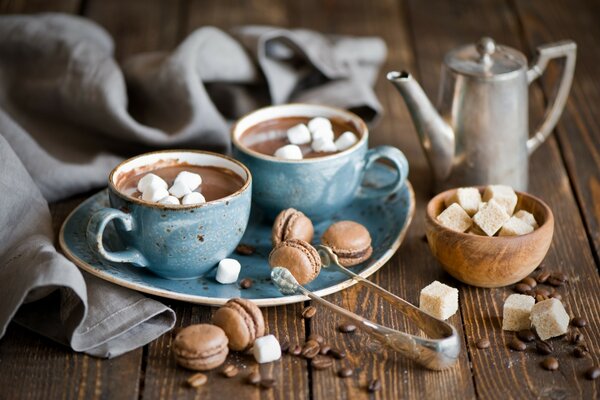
pixel 437 137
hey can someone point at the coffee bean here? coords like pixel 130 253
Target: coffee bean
pixel 542 277
pixel 253 378
pixel 296 350
pixel 592 373
pixel 267 383
pixel 347 328
pixel 576 338
pixel 529 293
pixel 580 352
pixel 285 346
pixel 554 282
pixel 339 354
pixel 245 249
pixel 517 345
pixel 550 363
pixel 556 296
pixel 309 312
pixel 321 362
pixel 539 298
pixel 560 276
pixel 316 337
pixel 529 281
pixel 526 335
pixel 197 380
pixel 542 292
pixel 345 372
pixel 522 288
pixel 374 385
pixel 543 347
pixel 325 349
pixel 579 322
pixel 230 371
pixel 482 343
pixel 246 283
pixel 310 349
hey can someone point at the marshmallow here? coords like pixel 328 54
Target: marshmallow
pixel 298 134
pixel 151 180
pixel 266 349
pixel 193 198
pixel 325 133
pixel 289 152
pixel 323 145
pixel 345 141
pixel 190 179
pixel 179 189
pixel 228 271
pixel 154 193
pixel 319 123
pixel 169 200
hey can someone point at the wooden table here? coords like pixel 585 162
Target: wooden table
pixel 565 172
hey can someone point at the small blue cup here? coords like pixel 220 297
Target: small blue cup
pixel 316 186
pixel 173 241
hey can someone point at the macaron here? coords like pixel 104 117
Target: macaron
pixel 242 321
pixel 200 347
pixel 299 257
pixel 350 241
pixel 292 224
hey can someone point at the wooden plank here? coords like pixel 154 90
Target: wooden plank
pixel 35 6
pixel 497 369
pixel 578 132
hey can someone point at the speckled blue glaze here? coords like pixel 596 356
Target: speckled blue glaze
pixel 175 242
pixel 316 186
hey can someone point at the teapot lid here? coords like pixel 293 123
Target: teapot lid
pixel 485 59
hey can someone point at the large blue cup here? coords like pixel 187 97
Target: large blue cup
pixel 316 186
pixel 175 242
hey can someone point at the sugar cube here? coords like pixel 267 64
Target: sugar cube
pixel 467 198
pixel 266 349
pixel 549 318
pixel 491 217
pixel 517 309
pixel 504 195
pixel 515 227
pixel 455 218
pixel 228 271
pixel 439 300
pixel 475 230
pixel 527 217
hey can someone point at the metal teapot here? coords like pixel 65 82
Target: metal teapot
pixel 479 135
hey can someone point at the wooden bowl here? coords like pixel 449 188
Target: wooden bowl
pixel 490 261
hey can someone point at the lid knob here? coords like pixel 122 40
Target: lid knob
pixel 486 47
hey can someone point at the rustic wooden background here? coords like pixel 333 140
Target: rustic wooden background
pixel 565 172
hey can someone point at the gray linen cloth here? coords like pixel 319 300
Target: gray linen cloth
pixel 69 113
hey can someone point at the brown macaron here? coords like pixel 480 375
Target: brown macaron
pixel 200 347
pixel 299 257
pixel 292 224
pixel 350 241
pixel 242 322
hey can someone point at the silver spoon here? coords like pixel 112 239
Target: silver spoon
pixel 439 352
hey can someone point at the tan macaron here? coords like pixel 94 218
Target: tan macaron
pixel 200 347
pixel 292 224
pixel 299 257
pixel 350 241
pixel 242 322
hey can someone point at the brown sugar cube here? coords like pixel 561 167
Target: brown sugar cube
pixel 455 218
pixel 527 217
pixel 515 227
pixel 439 300
pixel 516 312
pixel 467 198
pixel 549 318
pixel 504 195
pixel 491 217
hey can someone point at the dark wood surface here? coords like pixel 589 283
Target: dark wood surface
pixel 565 172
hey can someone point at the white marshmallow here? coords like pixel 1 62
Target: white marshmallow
pixel 151 180
pixel 319 123
pixel 289 152
pixel 345 141
pixel 325 133
pixel 298 134
pixel 169 200
pixel 193 198
pixel 323 145
pixel 266 349
pixel 154 193
pixel 190 179
pixel 179 189
pixel 228 271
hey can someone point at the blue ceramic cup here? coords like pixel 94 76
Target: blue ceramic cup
pixel 173 241
pixel 316 186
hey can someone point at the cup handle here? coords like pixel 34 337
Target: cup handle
pixel 400 165
pixel 95 230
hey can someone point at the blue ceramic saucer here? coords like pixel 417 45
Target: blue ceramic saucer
pixel 386 219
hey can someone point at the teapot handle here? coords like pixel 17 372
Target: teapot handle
pixel 547 52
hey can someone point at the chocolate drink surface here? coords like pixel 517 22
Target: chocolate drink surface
pixel 216 182
pixel 268 136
